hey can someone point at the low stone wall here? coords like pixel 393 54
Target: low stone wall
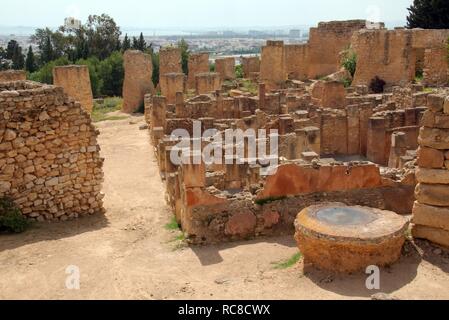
pixel 50 164
pixel 431 211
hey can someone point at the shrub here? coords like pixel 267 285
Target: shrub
pixel 45 74
pixel 377 85
pixel 93 63
pixel 11 218
pixel 239 71
pixel 350 61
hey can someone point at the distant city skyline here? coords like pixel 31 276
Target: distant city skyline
pixel 203 14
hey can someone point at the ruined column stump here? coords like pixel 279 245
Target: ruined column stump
pixel 342 239
pixel 138 79
pixel 75 80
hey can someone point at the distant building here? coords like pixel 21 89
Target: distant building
pixel 295 33
pixel 72 23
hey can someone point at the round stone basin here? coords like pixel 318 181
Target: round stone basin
pixel 338 238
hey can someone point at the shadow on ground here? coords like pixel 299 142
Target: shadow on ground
pixel 210 255
pixel 48 231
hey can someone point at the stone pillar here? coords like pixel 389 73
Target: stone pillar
pixel 398 149
pixel 376 141
pixel 180 106
pixel 431 210
pixel 207 82
pixel 272 66
pixel 75 81
pixel 410 117
pixel 159 111
pixel 198 63
pixel 138 79
pixel 170 61
pixel 226 68
pixel 171 83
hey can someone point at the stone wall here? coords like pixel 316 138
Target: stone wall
pixel 75 81
pixel 50 164
pixel 12 75
pixel 297 61
pixel 138 79
pixel 325 44
pixel 272 67
pixel 431 210
pixel 198 63
pixel 207 82
pixel 436 68
pixel 170 60
pixel 171 83
pixel 250 66
pixel 226 68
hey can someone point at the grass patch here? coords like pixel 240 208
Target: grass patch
pixel 287 264
pixel 11 218
pixel 101 111
pixel 265 201
pixel 249 86
pixel 172 225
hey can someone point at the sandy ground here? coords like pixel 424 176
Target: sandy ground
pixel 128 254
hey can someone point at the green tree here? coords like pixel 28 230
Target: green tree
pixel 429 14
pixel 141 43
pixel 10 49
pixel 126 45
pixel 103 35
pixel 135 44
pixel 30 62
pixel 155 58
pixel 18 60
pixel 112 73
pixel 45 74
pixel 185 53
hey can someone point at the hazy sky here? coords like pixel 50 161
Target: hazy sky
pixel 201 13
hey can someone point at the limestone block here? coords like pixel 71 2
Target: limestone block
pixel 432 176
pixel 430 216
pixel 241 224
pixel 430 158
pixel 434 138
pixel 13 75
pixel 435 235
pixel 435 195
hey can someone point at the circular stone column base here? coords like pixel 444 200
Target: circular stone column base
pixel 342 239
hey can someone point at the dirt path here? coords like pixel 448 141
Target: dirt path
pixel 128 254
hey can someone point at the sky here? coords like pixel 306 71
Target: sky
pixel 202 13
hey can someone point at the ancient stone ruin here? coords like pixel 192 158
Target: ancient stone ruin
pixel 431 210
pixel 138 79
pixel 75 81
pixel 12 75
pixel 50 164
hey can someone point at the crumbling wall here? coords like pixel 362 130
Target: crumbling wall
pixel 170 60
pixel 50 164
pixel 75 81
pixel 431 210
pixel 436 67
pixel 198 63
pixel 272 67
pixel 171 83
pixel 387 54
pixel 250 65
pixel 207 82
pixel 325 44
pixel 12 75
pixel 297 61
pixel 226 68
pixel 138 79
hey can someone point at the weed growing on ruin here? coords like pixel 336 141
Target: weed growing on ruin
pixel 11 218
pixel 287 264
pixel 249 86
pixel 239 71
pixel 349 61
pixel 172 225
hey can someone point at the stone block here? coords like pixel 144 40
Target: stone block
pixel 435 102
pixel 430 158
pixel 433 194
pixel 430 216
pixel 432 176
pixel 435 235
pixel 434 138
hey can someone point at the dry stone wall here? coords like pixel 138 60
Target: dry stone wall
pixel 50 164
pixel 12 75
pixel 431 210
